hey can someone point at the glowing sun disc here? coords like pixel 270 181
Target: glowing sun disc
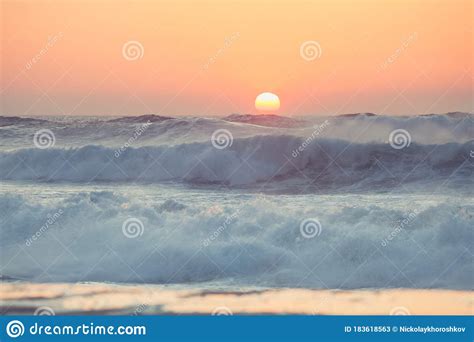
pixel 267 102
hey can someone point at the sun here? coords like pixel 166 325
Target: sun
pixel 267 102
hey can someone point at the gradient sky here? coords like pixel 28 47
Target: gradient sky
pixel 214 57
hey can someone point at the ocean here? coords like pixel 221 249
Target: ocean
pixel 344 202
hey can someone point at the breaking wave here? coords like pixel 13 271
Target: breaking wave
pixel 328 163
pixel 362 241
pixel 336 202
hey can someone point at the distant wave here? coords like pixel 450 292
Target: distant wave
pixel 270 119
pixel 267 120
pixel 16 120
pixel 114 132
pixel 141 119
pixel 326 162
pixel 375 243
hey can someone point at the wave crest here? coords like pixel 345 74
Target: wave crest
pixel 366 241
pixel 324 162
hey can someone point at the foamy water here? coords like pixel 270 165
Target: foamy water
pixel 320 203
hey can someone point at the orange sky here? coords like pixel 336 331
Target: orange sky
pixel 214 57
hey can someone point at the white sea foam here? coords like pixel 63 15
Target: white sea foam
pixel 383 216
pixel 16 132
pixel 261 245
pixel 326 163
